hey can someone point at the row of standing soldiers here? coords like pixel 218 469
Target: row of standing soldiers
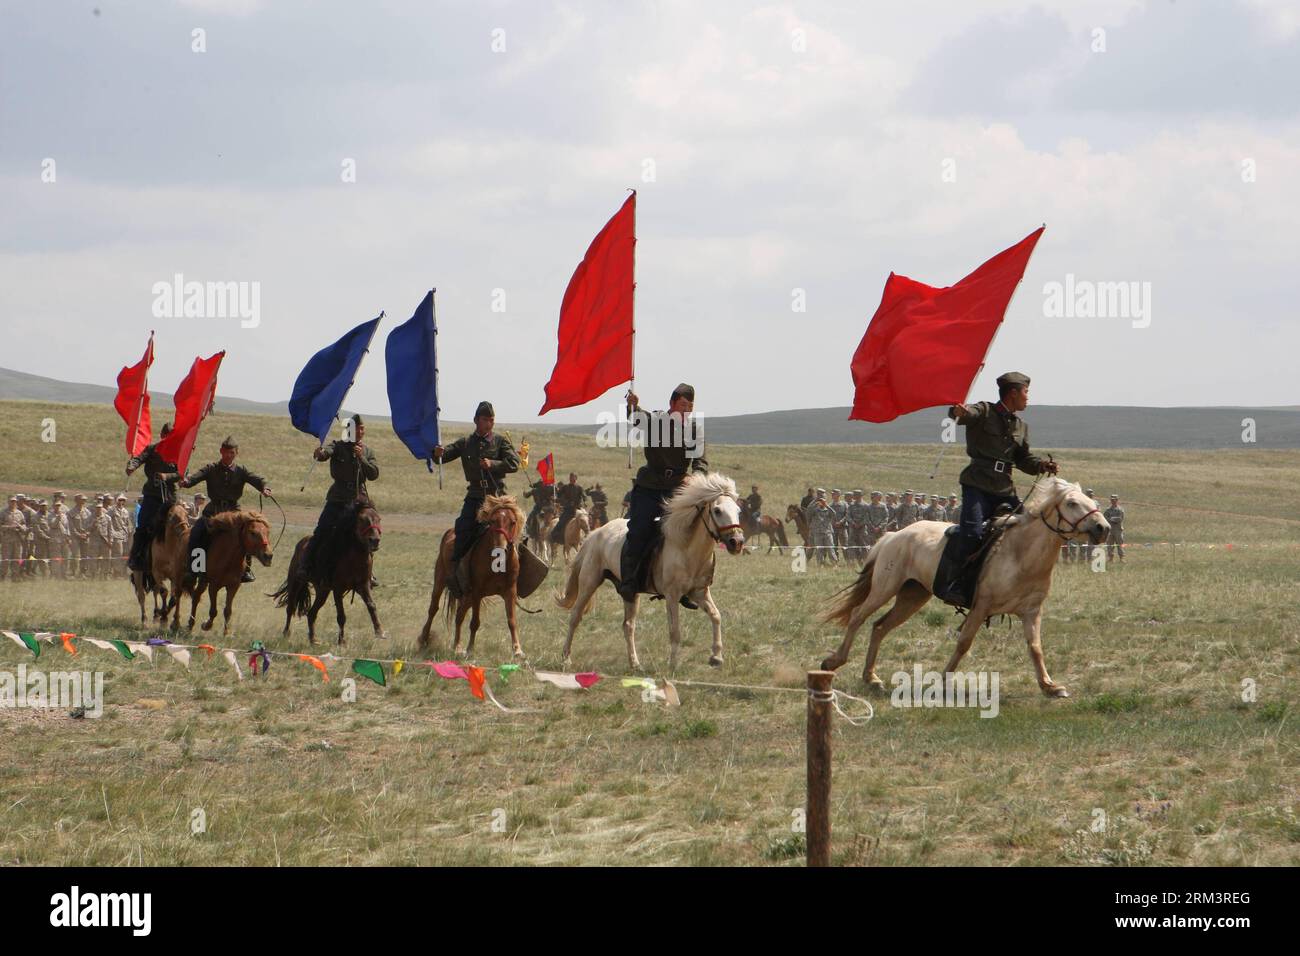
pixel 847 525
pixel 40 538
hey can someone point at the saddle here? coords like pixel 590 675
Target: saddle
pixel 532 569
pixel 958 572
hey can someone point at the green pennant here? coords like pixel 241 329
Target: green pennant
pixel 505 670
pixel 123 649
pixel 371 669
pixel 30 640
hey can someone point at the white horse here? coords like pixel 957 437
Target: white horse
pixel 1015 579
pixel 702 512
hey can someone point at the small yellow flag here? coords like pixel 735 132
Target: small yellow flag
pixel 397 667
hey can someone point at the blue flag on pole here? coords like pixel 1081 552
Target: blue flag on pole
pixel 412 359
pixel 322 385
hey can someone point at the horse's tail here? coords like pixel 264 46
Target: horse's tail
pixel 780 535
pixel 848 599
pixel 295 592
pixel 567 599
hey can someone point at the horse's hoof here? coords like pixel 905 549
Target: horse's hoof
pixel 1057 691
pixel 381 635
pixel 206 625
pixel 715 661
pixel 520 655
pixel 831 664
pixel 875 685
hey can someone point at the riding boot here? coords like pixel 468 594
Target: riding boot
pixel 138 546
pixel 462 575
pixel 629 567
pixel 453 578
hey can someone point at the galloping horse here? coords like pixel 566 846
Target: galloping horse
pixel 764 524
pixel 703 512
pixel 343 564
pixel 576 531
pixel 166 557
pixel 493 569
pixel 1015 579
pixel 795 513
pixel 232 537
pixel 541 524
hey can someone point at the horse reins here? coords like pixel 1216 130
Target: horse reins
pixel 1073 526
pixel 701 510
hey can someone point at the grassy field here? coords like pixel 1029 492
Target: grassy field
pixel 1154 651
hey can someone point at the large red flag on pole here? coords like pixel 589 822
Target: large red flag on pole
pixel 596 330
pixel 132 401
pixel 925 345
pixel 193 401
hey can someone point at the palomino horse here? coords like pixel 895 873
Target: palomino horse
pixel 539 527
pixel 344 564
pixel 232 537
pixel 576 531
pixel 1015 579
pixel 795 514
pixel 703 512
pixel 166 556
pixel 764 524
pixel 493 569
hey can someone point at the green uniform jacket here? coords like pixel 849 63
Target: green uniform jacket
pixel 667 464
pixel 496 449
pixel 156 471
pixel 570 496
pixel 349 472
pixel 541 493
pixel 996 440
pixel 225 485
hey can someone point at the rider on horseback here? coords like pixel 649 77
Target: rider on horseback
pixel 669 458
pixel 570 498
pixel 352 464
pixel 225 481
pixel 487 458
pixel 157 497
pixel 996 440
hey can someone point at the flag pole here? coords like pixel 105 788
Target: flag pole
pixel 631 382
pixel 935 470
pixel 437 409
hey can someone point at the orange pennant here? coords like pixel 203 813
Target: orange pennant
pixel 475 681
pixel 67 643
pixel 317 663
pixel 207 647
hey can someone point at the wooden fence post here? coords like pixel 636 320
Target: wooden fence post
pixel 817 817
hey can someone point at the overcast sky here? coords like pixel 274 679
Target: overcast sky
pixel 793 146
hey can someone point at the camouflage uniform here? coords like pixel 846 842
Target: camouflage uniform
pixel 59 536
pixel 13 529
pixel 1114 516
pixel 859 514
pixel 80 522
pixel 123 521
pixel 877 518
pixel 906 513
pixel 821 525
pixel 101 541
pixel 41 541
pixel 840 509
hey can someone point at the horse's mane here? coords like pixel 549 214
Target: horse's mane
pixel 698 489
pixel 234 520
pixel 1047 492
pixel 492 502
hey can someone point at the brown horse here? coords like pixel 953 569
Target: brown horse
pixel 575 532
pixel 795 514
pixel 765 524
pixel 540 525
pixel 344 564
pixel 232 537
pixel 493 569
pixel 166 566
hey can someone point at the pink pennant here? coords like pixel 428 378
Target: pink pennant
pixel 586 680
pixel 451 671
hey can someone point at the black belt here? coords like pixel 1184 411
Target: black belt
pixel 999 466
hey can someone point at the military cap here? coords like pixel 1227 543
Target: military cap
pixel 820 491
pixel 14 499
pixel 229 442
pixel 1013 380
pixel 356 419
pixel 821 495
pixel 836 491
pixel 121 497
pixel 78 497
pixel 908 491
pixel 858 491
pixel 485 410
pixel 683 391
pixel 58 494
pixel 876 494
pixel 1114 497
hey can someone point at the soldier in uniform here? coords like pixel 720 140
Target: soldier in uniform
pixel 877 518
pixel 13 529
pixel 59 532
pixel 570 498
pixel 907 512
pixel 542 495
pixel 599 506
pixel 821 525
pixel 79 522
pixel 41 540
pixel 840 509
pixel 667 465
pixel 196 507
pixel 156 497
pixel 953 512
pixel 352 464
pixel 806 501
pixel 1114 516
pixel 123 521
pixel 997 440
pixel 486 458
pixel 225 483
pixel 858 515
pixel 29 516
pixel 101 540
pixel 755 503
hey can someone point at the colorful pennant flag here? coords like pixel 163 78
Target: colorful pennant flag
pixel 475 676
pixel 193 401
pixel 411 357
pixel 68 644
pixel 323 384
pixel 373 670
pixel 234 662
pixel 546 468
pixel 25 639
pixel 132 401
pixel 315 662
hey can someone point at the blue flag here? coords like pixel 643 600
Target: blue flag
pixel 412 359
pixel 322 385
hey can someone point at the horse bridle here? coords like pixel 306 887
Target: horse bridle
pixel 702 509
pixel 373 526
pixel 1073 526
pixel 494 529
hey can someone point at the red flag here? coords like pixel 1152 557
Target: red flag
pixel 546 468
pixel 925 345
pixel 595 348
pixel 193 401
pixel 132 401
